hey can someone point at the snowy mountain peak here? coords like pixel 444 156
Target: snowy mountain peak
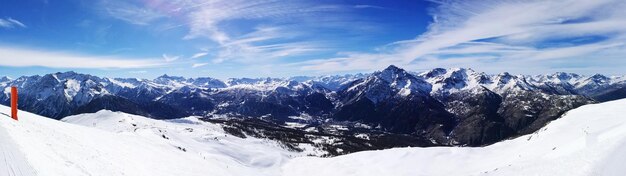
pixel 393 68
pixel 600 78
pixel 504 78
pixel 565 76
pixel 71 75
pixel 447 81
pixel 165 77
pixel 556 78
pixel 460 73
pixel 390 82
pixel 393 73
pixel 434 73
pixel 507 83
pixel 5 79
pixel 66 74
pixel 251 81
pixel 264 84
pixel 208 82
pixel 454 79
pixel 458 69
pixel 49 80
pixel 437 72
pixel 330 82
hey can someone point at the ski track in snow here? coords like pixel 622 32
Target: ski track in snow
pixel 12 160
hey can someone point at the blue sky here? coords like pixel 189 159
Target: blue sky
pixel 233 38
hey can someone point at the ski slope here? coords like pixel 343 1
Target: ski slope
pixel 590 140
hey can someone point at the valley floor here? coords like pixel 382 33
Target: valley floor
pixel 590 140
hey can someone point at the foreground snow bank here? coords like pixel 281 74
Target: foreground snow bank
pixel 135 145
pixel 590 140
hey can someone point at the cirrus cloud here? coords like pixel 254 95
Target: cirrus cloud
pixel 497 35
pixel 272 29
pixel 11 23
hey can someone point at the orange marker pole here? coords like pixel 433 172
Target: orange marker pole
pixel 14 102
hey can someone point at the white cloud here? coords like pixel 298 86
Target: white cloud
pixel 527 33
pixel 170 58
pixel 573 51
pixel 204 18
pixel 196 65
pixel 11 23
pixel 273 36
pixel 249 52
pixel 264 43
pixel 21 57
pixel 199 55
pixel 129 12
pixel 364 6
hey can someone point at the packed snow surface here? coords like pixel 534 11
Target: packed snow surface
pixel 12 160
pixel 590 140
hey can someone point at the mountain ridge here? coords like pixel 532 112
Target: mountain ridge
pixel 456 106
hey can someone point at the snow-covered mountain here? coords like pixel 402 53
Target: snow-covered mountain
pixel 588 140
pixel 447 81
pixel 396 101
pixel 438 107
pixel 330 82
pixel 391 82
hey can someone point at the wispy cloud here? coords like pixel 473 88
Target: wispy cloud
pixel 196 65
pixel 205 18
pixel 280 27
pixel 130 12
pixel 11 23
pixel 266 42
pixel 170 58
pixel 23 57
pixel 199 55
pixel 494 34
pixel 364 6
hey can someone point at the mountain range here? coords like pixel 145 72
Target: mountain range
pixel 340 113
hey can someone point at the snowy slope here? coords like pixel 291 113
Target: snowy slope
pixel 151 147
pixel 12 160
pixel 590 140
